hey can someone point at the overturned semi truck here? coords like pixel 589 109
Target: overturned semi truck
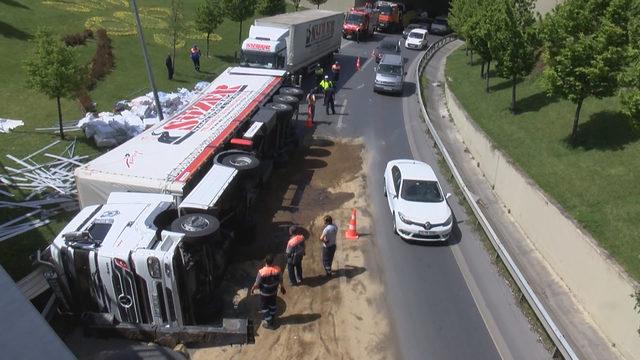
pixel 144 256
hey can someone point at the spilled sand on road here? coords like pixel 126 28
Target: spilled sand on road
pixel 338 318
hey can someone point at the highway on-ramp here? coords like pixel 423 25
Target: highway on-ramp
pixel 445 302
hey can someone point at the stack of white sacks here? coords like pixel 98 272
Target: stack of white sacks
pixel 131 117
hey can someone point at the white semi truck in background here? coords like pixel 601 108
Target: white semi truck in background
pixel 296 42
pixel 144 256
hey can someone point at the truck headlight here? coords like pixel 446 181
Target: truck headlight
pixel 153 265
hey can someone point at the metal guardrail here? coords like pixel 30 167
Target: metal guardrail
pixel 562 347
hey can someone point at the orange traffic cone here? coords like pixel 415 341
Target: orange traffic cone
pixel 309 122
pixel 357 63
pixel 351 232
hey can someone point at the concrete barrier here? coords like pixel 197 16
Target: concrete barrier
pixel 598 283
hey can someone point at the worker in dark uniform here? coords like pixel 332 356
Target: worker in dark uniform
pixel 319 73
pixel 295 253
pixel 329 100
pixel 268 280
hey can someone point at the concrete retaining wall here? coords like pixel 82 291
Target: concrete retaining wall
pixel 598 283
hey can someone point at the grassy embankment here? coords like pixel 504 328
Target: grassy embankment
pixel 595 180
pixel 20 21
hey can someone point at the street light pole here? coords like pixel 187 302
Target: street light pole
pixel 134 8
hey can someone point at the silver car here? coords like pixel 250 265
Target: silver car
pixel 389 74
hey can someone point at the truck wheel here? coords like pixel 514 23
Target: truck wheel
pixel 196 227
pixel 286 99
pixel 284 112
pixel 293 91
pixel 237 159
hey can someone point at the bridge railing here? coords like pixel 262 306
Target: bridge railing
pixel 562 347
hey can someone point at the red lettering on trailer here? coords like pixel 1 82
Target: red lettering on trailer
pixel 189 118
pixel 259 47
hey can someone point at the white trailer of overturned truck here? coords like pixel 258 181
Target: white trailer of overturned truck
pixel 144 256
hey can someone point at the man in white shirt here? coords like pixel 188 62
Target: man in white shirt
pixel 328 239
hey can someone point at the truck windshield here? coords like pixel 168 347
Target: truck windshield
pixel 354 19
pixel 385 10
pixel 259 59
pixel 390 69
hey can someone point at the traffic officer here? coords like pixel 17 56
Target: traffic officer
pixel 325 84
pixel 335 69
pixel 268 279
pixel 295 253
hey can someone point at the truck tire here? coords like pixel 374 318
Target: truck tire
pixel 196 227
pixel 240 160
pixel 293 91
pixel 284 112
pixel 286 99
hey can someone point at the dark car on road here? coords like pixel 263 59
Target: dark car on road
pixel 386 47
pixel 440 26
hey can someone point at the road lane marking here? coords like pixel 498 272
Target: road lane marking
pixel 490 323
pixel 360 86
pixel 342 111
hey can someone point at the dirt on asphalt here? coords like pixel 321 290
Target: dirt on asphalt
pixel 342 317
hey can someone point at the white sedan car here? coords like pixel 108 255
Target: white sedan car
pixel 417 39
pixel 420 211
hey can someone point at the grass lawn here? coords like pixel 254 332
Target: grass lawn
pixel 21 19
pixel 596 181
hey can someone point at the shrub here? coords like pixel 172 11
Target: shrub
pixel 78 38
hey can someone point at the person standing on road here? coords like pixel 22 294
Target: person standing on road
pixel 169 64
pixel 329 100
pixel 335 69
pixel 328 238
pixel 295 253
pixel 318 72
pixel 325 84
pixel 311 103
pixel 194 54
pixel 268 280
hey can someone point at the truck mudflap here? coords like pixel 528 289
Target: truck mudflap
pixel 232 331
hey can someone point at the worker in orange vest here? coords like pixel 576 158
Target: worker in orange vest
pixel 268 280
pixel 335 69
pixel 295 253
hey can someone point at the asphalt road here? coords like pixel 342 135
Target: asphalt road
pixel 445 302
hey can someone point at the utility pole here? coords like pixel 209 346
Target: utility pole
pixel 134 8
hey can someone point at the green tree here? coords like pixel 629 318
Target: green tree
pixel 271 7
pixel 209 15
pixel 53 70
pixel 176 27
pixel 239 11
pixel 515 41
pixel 296 4
pixel 584 50
pixel 460 13
pixel 481 32
pixel 317 3
pixel 630 92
